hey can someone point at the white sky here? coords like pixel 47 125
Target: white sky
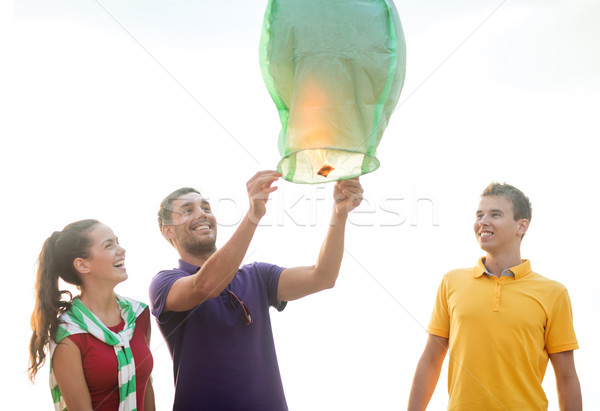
pixel 106 106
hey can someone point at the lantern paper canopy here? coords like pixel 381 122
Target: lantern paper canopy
pixel 334 69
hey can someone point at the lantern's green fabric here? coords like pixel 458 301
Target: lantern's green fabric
pixel 334 69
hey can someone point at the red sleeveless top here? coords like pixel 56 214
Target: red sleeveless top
pixel 100 365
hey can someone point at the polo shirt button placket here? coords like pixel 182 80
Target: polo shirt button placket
pixel 497 292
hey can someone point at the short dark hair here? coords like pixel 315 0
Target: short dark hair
pixel 164 212
pixel 520 202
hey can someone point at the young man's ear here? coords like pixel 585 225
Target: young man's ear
pixel 522 226
pixel 81 265
pixel 168 233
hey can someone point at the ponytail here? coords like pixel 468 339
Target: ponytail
pixel 55 260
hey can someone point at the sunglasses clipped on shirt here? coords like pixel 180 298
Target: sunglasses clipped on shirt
pixel 239 306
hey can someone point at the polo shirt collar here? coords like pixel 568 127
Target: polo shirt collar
pixel 187 267
pixel 519 271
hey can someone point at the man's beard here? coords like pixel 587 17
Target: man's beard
pixel 200 247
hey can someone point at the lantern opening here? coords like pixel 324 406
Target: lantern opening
pixel 316 166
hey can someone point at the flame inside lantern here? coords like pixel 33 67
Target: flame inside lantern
pixel 326 169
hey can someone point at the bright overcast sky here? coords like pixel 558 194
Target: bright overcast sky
pixel 106 106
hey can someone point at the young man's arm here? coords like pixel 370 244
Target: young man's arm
pixel 298 282
pixel 567 382
pixel 221 267
pixel 427 373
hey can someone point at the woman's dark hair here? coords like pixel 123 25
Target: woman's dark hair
pixel 55 260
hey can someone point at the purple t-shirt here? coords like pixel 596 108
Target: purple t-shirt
pixel 219 362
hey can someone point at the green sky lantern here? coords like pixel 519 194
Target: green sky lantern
pixel 334 69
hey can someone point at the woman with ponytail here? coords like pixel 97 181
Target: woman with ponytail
pixel 98 342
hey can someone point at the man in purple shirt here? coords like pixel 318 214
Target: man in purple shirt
pixel 214 315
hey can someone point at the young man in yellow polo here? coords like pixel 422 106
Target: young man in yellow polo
pixel 500 322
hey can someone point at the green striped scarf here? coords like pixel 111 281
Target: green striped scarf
pixel 77 320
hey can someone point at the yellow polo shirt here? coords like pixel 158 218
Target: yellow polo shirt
pixel 500 333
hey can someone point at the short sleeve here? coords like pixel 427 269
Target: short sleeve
pixel 560 333
pixel 439 324
pixel 270 274
pixel 159 290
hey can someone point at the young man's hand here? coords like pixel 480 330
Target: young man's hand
pixel 348 194
pixel 259 187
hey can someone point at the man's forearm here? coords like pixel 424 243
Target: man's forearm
pixel 423 386
pixel 221 267
pixel 569 394
pixel 427 373
pixel 330 257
